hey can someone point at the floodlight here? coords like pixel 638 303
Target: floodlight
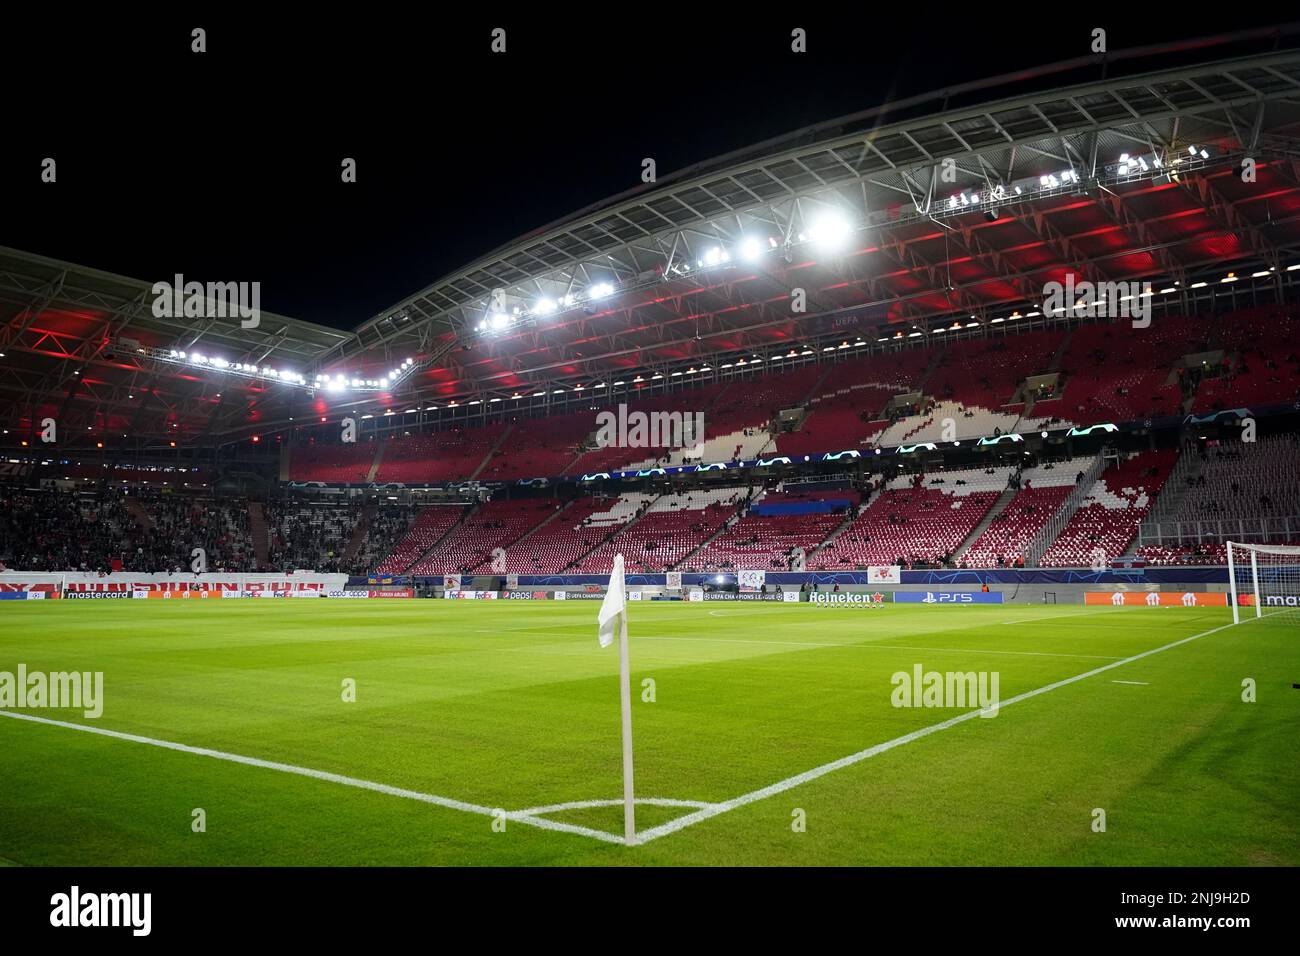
pixel 830 230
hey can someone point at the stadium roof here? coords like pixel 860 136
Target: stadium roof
pixel 912 256
pixel 78 346
pixel 898 218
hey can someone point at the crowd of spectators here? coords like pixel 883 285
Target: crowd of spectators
pixel 106 529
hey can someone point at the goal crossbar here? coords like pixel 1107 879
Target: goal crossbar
pixel 1248 555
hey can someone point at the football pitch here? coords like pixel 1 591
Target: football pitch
pixel 487 733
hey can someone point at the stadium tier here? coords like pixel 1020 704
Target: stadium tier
pixel 966 389
pixel 429 527
pixel 106 529
pixel 471 543
pixel 1245 491
pixel 848 409
pixel 1107 521
pixel 310 535
pixel 770 529
pixel 437 456
pixel 972 518
pixel 1040 494
pixel 656 532
pixel 916 519
pixel 594 458
pixel 1262 361
pixel 1111 373
pixel 534 448
pixel 556 544
pixel 332 462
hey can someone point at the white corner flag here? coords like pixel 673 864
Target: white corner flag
pixel 613 616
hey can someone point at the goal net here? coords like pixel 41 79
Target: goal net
pixel 1264 580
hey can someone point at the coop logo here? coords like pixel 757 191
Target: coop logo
pixel 1127 300
pixel 624 429
pixel 215 300
pixel 959 689
pixel 75 909
pixel 71 690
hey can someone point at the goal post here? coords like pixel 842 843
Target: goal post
pixel 1265 577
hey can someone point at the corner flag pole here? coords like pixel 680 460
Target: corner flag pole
pixel 625 678
pixel 613 613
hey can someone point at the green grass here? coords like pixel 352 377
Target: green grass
pixel 514 705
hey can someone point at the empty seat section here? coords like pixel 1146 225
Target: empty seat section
pixel 1107 521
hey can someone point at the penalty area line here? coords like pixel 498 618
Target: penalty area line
pixel 519 816
pixel 789 783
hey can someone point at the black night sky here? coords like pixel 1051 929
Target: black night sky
pixel 226 165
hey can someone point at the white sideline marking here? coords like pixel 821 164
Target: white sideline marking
pixel 1140 683
pixel 790 783
pixel 520 816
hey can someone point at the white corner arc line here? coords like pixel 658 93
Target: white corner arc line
pixel 797 780
pixel 616 802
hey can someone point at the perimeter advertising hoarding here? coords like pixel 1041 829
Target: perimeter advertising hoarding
pixel 849 599
pixel 1157 598
pixel 80 582
pixel 885 574
pixel 948 597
